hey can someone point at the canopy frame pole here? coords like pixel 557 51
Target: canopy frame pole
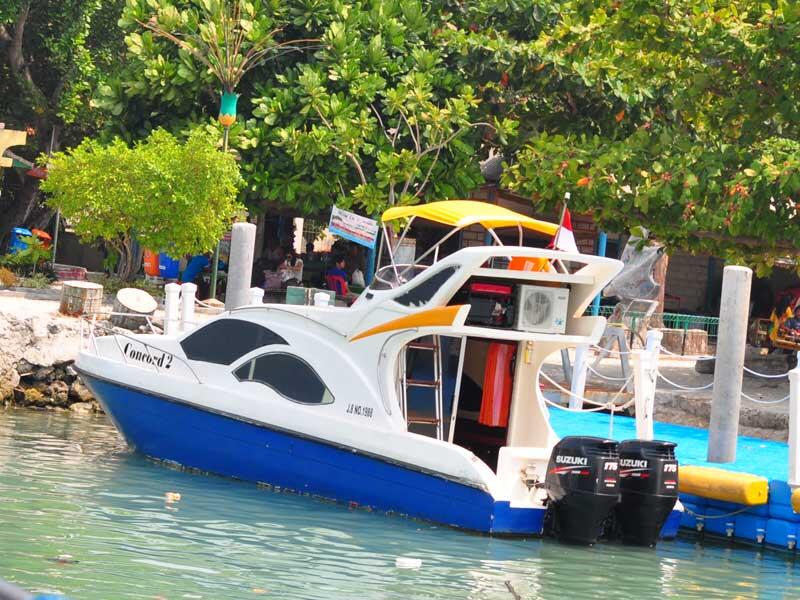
pixel 519 228
pixel 403 235
pixel 389 250
pixel 494 235
pixel 429 250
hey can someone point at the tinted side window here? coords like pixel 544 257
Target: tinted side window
pixel 223 341
pixel 421 293
pixel 291 377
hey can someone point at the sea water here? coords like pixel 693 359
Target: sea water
pixel 83 516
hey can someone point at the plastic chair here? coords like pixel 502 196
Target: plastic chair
pixel 337 283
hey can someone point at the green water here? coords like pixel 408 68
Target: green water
pixel 69 486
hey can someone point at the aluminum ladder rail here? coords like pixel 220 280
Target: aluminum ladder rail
pixel 436 384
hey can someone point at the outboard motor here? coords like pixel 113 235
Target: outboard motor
pixel 582 487
pixel 649 484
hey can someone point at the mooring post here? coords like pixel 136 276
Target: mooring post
pixel 578 379
pixel 794 426
pixel 240 265
pixel 188 291
pixel 256 295
pixel 172 292
pixel 645 378
pixel 723 431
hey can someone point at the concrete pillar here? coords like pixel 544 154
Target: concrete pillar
pixel 240 266
pixel 578 380
pixel 188 291
pixel 172 292
pixel 734 307
pixel 794 426
pixel 645 378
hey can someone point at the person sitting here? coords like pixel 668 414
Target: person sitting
pixel 336 277
pixel 291 270
pixel 792 324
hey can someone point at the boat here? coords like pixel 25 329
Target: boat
pixel 421 398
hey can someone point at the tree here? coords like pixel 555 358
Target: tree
pixel 172 196
pixel 374 116
pixel 53 54
pixel 681 117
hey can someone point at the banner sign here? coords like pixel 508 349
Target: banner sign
pixel 353 227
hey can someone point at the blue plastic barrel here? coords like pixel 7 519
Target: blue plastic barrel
pixel 17 244
pixel 168 267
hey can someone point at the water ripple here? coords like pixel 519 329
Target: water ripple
pixel 81 515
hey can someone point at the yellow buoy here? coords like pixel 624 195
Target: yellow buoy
pixel 728 486
pixel 796 500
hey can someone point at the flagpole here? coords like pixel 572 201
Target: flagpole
pixel 561 219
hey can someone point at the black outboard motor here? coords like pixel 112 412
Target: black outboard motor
pixel 582 487
pixel 649 485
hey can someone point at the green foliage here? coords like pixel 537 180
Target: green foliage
pixel 38 281
pixel 681 117
pixel 374 116
pixel 31 256
pixel 171 195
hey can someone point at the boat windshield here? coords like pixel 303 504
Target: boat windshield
pixel 392 276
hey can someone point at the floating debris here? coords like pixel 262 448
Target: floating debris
pixel 403 562
pixel 64 559
pixel 171 497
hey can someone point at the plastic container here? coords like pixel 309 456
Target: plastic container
pixel 17 244
pixel 150 262
pixel 168 267
pixel 321 299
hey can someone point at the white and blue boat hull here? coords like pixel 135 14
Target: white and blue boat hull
pixel 174 430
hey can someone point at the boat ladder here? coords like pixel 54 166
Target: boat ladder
pixel 434 346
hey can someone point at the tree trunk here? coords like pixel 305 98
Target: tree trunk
pixel 660 277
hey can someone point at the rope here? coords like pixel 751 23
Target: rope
pixel 610 405
pixel 610 351
pixel 606 377
pixel 683 387
pixel 700 517
pixel 784 399
pixel 687 356
pixel 764 375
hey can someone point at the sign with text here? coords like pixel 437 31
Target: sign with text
pixel 353 227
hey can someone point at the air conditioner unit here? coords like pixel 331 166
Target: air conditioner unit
pixel 542 309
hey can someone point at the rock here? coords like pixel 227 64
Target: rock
pixel 33 397
pixel 53 328
pixel 83 408
pixel 43 374
pixel 58 391
pixel 79 392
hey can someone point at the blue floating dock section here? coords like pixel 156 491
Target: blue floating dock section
pixel 774 523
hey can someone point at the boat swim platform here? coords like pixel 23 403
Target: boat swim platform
pixel 773 523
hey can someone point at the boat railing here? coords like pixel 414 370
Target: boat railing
pixel 89 325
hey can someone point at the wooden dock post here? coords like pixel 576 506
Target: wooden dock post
pixel 723 431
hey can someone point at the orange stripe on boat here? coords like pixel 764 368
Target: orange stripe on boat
pixel 434 317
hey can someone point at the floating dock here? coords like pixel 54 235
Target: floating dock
pixel 772 522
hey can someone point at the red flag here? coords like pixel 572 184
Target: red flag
pixel 564 238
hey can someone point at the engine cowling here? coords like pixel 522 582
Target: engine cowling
pixel 582 486
pixel 649 488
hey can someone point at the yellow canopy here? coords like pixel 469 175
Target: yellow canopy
pixel 463 213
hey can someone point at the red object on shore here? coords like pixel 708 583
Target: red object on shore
pixel 150 261
pixel 497 382
pixel 45 237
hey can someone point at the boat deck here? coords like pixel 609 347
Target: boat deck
pixel 774 523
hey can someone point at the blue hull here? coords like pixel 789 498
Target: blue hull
pixel 171 430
